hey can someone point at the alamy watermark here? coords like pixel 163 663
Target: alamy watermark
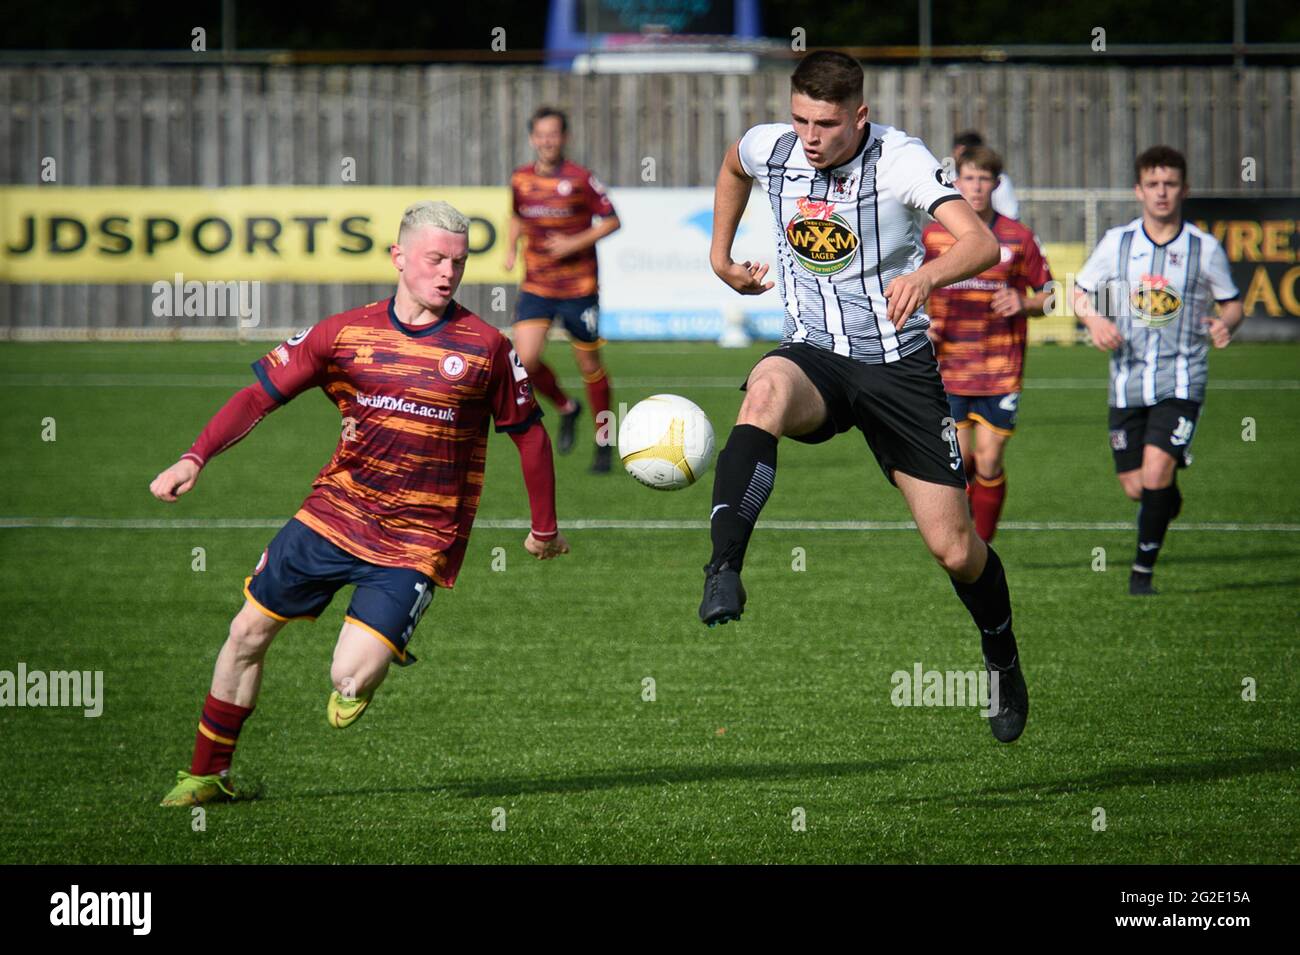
pixel 75 688
pixel 922 687
pixel 193 299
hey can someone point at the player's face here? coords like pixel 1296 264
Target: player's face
pixel 548 138
pixel 976 186
pixel 829 131
pixel 1161 191
pixel 432 263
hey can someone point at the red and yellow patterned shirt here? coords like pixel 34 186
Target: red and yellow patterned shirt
pixel 403 485
pixel 979 352
pixel 563 202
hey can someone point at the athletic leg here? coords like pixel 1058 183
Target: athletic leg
pixel 236 680
pixel 594 378
pixel 978 577
pixel 988 490
pixel 779 400
pixel 529 341
pixel 1161 502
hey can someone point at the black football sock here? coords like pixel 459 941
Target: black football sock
pixel 1158 508
pixel 989 603
pixel 741 483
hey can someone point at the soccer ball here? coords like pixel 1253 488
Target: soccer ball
pixel 665 442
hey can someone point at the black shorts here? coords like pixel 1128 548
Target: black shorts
pixel 1168 424
pixel 900 407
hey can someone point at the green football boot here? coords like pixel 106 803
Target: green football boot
pixel 343 711
pixel 191 790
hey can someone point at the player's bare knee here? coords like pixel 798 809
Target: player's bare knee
pixel 250 637
pixel 764 406
pixel 956 554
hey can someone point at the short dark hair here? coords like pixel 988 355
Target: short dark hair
pixel 546 112
pixel 967 140
pixel 828 76
pixel 981 157
pixel 1165 156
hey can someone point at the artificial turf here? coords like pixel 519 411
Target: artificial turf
pixel 529 696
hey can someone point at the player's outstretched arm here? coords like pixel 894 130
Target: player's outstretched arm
pixel 544 539
pixel 237 417
pixel 730 196
pixel 974 251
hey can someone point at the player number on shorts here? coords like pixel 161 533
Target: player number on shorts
pixel 423 597
pixel 1183 433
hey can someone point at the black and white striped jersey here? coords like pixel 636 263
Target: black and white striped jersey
pixel 843 234
pixel 1158 295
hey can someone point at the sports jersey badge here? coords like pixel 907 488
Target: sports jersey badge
pixel 564 187
pixel 844 186
pixel 452 366
pixel 822 240
pixel 1155 302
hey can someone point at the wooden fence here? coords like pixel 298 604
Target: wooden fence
pixel 432 125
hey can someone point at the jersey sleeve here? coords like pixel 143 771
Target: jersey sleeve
pixel 597 201
pixel 300 363
pixel 755 148
pixel 514 409
pixel 1004 199
pixel 1219 275
pixel 1034 270
pixel 910 171
pixel 514 193
pixel 1100 267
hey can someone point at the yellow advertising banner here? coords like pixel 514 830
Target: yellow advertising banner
pixel 61 235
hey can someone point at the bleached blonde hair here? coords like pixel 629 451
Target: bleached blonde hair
pixel 429 214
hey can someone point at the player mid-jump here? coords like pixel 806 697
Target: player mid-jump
pixel 848 198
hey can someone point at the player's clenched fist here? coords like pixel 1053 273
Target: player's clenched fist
pixel 1218 331
pixel 904 295
pixel 745 277
pixel 175 481
pixel 1103 332
pixel 545 550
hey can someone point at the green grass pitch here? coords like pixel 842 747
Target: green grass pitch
pixel 528 696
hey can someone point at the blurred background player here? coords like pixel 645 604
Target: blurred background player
pixel 554 201
pixel 847 198
pixel 1147 294
pixel 1005 202
pixel 416 378
pixel 979 327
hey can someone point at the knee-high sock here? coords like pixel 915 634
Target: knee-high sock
pixel 214 743
pixel 598 394
pixel 742 482
pixel 989 602
pixel 986 497
pixel 544 383
pixel 1156 511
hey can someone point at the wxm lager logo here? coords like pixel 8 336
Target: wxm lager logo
pixel 820 238
pixel 1155 302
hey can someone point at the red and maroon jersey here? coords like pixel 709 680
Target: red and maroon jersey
pixel 403 485
pixel 562 202
pixel 980 353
